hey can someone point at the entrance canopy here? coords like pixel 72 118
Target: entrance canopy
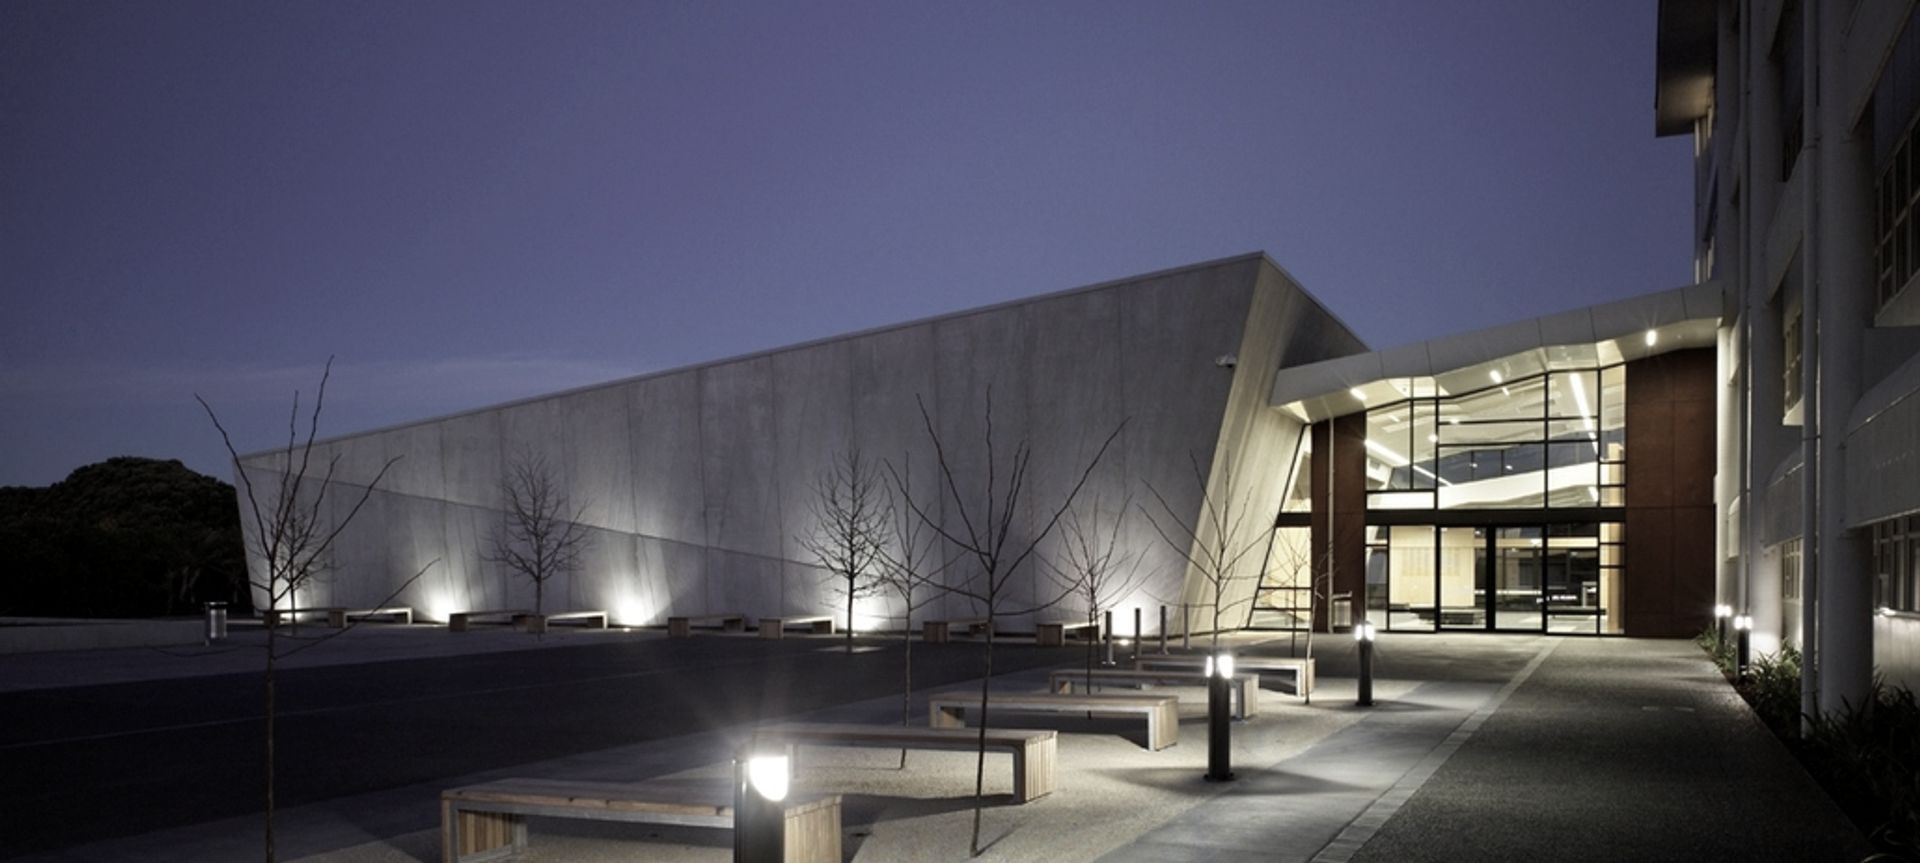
pixel 1601 335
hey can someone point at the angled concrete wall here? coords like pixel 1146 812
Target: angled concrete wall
pixel 696 482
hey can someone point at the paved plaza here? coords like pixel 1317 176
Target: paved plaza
pixel 1481 748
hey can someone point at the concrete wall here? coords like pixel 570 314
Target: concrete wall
pixel 696 482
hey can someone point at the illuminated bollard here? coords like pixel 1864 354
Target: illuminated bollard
pixel 1219 714
pixel 1363 633
pixel 1137 634
pixel 1743 627
pixel 216 622
pixel 759 814
pixel 1186 629
pixel 1106 635
pixel 1721 614
pixel 1163 630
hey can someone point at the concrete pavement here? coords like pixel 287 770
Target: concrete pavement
pixel 1482 748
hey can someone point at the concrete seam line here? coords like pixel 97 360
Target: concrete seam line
pixel 1362 828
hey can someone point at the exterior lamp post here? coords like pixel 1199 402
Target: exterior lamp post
pixel 1721 614
pixel 1363 633
pixel 1106 635
pixel 1742 652
pixel 759 816
pixel 1219 711
pixel 1137 634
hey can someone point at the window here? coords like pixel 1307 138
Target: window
pixel 1789 66
pixel 1790 570
pixel 1790 347
pixel 1896 563
pixel 1896 106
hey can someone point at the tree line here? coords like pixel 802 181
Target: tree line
pixel 126 537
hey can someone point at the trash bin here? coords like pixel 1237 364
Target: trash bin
pixel 1342 611
pixel 216 622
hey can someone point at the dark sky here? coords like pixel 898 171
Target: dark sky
pixel 468 202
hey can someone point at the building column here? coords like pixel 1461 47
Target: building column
pixel 1338 526
pixel 1840 231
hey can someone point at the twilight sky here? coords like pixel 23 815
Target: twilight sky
pixel 469 202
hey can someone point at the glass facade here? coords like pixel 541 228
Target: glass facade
pixel 1498 509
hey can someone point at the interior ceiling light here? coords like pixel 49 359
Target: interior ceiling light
pixel 1586 411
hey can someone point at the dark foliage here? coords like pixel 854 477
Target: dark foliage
pixel 127 537
pixel 1866 756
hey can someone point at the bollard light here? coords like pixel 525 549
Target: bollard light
pixel 760 783
pixel 1106 636
pixel 1721 614
pixel 1219 672
pixel 1743 647
pixel 1137 634
pixel 1363 633
pixel 1163 630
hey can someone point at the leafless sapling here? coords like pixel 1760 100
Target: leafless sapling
pixel 1090 562
pixel 850 528
pixel 984 530
pixel 1213 541
pixel 294 544
pixel 540 535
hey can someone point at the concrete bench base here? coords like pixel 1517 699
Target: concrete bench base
pixel 1297 670
pixel 539 622
pixel 1054 634
pixel 776 627
pixel 1244 686
pixel 460 621
pixel 682 627
pixel 1032 749
pixel 1162 712
pixel 941 631
pixel 338 617
pixel 488 821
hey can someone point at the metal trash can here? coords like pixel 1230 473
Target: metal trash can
pixel 216 622
pixel 1341 611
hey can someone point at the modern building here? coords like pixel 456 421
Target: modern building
pixel 1802 115
pixel 1752 439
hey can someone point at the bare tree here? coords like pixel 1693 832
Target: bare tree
pixel 908 572
pixel 851 526
pixel 540 535
pixel 986 533
pixel 294 544
pixel 1211 540
pixel 1090 563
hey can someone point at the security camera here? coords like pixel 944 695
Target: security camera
pixel 1226 361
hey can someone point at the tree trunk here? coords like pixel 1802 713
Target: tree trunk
pixel 269 751
pixel 849 616
pixel 906 698
pixel 980 760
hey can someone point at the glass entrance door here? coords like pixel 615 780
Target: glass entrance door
pixel 1518 602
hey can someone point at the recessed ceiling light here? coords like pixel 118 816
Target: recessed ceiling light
pixel 1495 374
pixel 1358 394
pixel 1652 337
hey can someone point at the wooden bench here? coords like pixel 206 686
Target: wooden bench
pixel 538 622
pixel 460 620
pixel 1297 670
pixel 1244 686
pixel 682 627
pixel 1162 712
pixel 776 627
pixel 1032 749
pixel 1054 633
pixel 488 821
pixel 941 631
pixel 338 617
pixel 276 616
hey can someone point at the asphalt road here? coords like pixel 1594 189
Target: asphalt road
pixel 93 762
